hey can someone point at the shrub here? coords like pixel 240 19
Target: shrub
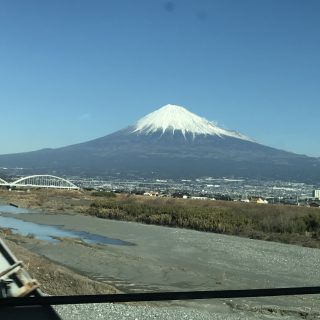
pixel 105 194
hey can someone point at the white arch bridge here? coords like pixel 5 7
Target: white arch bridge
pixel 41 181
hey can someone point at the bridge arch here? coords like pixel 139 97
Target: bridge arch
pixel 44 181
pixel 2 182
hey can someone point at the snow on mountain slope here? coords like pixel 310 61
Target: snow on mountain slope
pixel 175 118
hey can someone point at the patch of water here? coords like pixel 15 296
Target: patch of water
pixel 11 209
pixel 50 233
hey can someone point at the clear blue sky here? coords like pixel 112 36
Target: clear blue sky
pixel 74 70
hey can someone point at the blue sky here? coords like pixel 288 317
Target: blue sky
pixel 75 70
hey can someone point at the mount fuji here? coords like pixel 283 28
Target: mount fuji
pixel 170 142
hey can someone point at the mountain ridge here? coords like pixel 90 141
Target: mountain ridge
pixel 160 147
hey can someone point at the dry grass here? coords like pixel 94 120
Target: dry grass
pixel 290 224
pixel 48 200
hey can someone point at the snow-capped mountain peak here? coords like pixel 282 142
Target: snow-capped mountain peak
pixel 175 118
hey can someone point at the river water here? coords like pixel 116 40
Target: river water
pixel 47 232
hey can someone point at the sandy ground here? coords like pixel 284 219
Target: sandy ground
pixel 168 259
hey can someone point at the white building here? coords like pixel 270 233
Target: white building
pixel 316 194
pixel 199 198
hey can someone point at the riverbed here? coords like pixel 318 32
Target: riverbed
pixel 169 259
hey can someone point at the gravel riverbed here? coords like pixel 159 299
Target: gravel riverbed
pixel 125 312
pixel 168 259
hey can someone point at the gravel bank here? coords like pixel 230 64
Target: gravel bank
pixel 125 312
pixel 168 259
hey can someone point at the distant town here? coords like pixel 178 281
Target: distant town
pixel 202 188
pixel 246 190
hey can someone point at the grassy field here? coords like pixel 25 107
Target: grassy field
pixel 283 223
pixel 53 200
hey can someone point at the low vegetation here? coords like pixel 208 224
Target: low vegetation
pixel 289 224
pixel 104 194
